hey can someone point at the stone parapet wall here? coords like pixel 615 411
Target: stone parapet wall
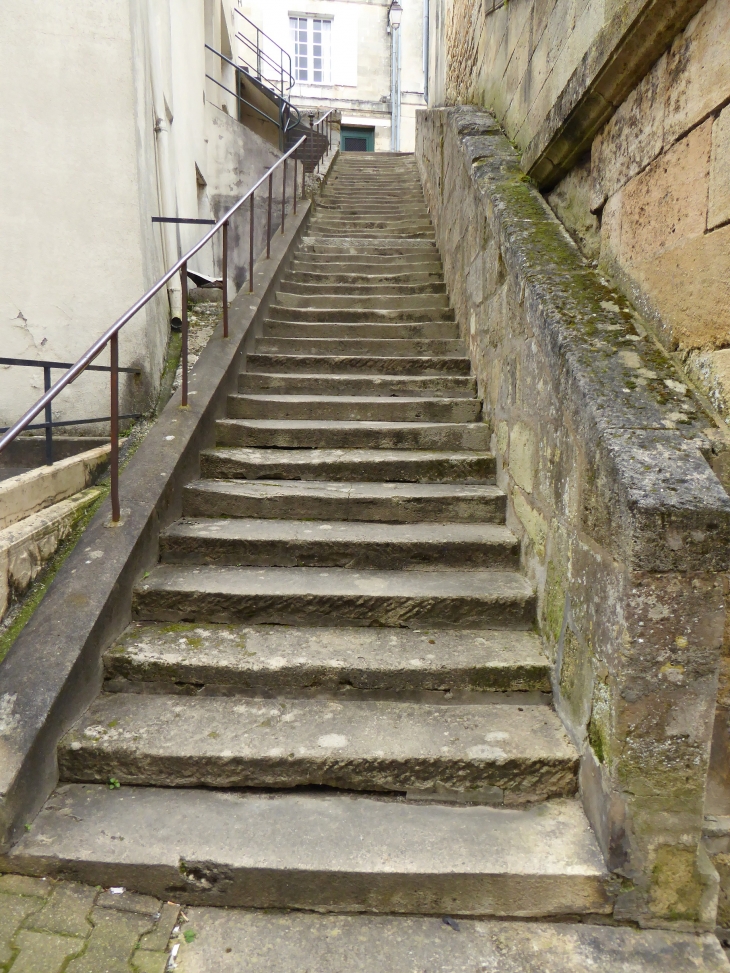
pixel 625 527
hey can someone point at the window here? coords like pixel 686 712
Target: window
pixel 311 38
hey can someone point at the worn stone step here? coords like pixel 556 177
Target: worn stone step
pixel 341 662
pixel 337 597
pixel 387 276
pixel 352 408
pixel 357 329
pixel 369 265
pixel 485 753
pixel 367 289
pixel 361 300
pixel 404 503
pixel 375 246
pixel 402 209
pixel 368 232
pixel 403 347
pixel 304 941
pixel 329 223
pixel 344 544
pixel 371 315
pixel 448 386
pixel 344 434
pixel 202 846
pixel 349 465
pixel 364 364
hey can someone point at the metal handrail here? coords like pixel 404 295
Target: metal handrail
pixel 111 335
pixel 284 105
pixel 258 50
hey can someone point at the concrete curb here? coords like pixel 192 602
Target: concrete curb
pixel 54 669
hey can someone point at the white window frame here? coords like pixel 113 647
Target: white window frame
pixel 310 32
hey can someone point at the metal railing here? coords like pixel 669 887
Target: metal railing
pixel 111 335
pixel 263 62
pixel 50 424
pixel 289 115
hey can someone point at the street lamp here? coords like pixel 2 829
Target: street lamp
pixel 395 14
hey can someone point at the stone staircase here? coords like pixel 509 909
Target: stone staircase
pixel 333 697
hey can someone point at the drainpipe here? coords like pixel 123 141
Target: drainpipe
pixel 165 178
pixel 426 45
pixel 394 18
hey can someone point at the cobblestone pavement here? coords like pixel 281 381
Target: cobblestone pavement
pixel 48 926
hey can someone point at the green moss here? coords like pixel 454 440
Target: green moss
pixel 677 887
pixel 554 603
pixel 35 594
pixel 596 741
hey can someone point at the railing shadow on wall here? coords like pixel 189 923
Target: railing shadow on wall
pixel 111 335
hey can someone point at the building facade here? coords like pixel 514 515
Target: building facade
pixel 346 55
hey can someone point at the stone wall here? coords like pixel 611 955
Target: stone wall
pixel 656 189
pixel 625 527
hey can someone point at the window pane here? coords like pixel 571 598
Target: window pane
pixel 321 51
pixel 299 27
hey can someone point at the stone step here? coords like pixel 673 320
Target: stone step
pixel 394 209
pixel 202 846
pixel 317 276
pixel 337 597
pixel 372 265
pixel 361 300
pixel 485 753
pixel 448 386
pixel 400 503
pixel 383 232
pixel 341 544
pixel 353 465
pixel 352 408
pixel 351 347
pixel 350 329
pixel 382 944
pixel 367 289
pixel 373 246
pixel 370 315
pixel 344 434
pixel 330 222
pixel 364 364
pixel 341 662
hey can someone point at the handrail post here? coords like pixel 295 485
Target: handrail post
pixel 268 227
pixel 294 191
pixel 250 250
pixel 49 416
pixel 283 198
pixel 114 385
pixel 224 275
pixel 184 350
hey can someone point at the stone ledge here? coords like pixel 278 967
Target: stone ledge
pixel 622 53
pixel 615 384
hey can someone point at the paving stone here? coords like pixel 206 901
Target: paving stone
pixel 150 961
pixel 24 885
pixel 160 936
pixel 129 902
pixel 66 911
pixel 13 910
pixel 227 941
pixel 42 952
pixel 112 942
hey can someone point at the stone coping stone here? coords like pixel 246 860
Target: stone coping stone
pixel 302 943
pixel 668 510
pixel 54 668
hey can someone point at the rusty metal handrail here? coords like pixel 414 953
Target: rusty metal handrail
pixel 111 335
pixel 321 121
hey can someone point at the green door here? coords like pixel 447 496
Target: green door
pixel 357 139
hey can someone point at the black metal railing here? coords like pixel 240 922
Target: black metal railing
pixel 111 335
pixel 288 115
pixel 265 68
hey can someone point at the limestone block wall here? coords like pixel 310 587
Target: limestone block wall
pixel 625 527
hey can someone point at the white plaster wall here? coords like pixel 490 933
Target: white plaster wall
pixel 361 60
pixel 105 121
